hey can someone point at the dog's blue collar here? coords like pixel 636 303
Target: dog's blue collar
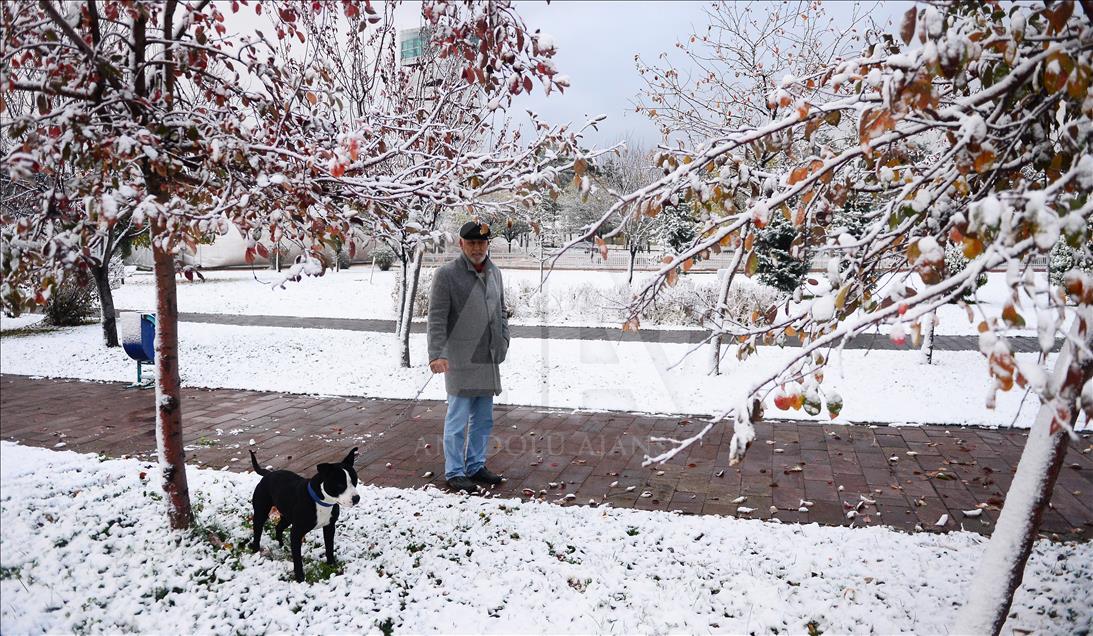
pixel 317 498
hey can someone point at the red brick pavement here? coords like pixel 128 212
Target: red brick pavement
pixel 914 475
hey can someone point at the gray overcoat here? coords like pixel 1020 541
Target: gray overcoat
pixel 468 326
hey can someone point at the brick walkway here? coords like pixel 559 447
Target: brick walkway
pixel 572 458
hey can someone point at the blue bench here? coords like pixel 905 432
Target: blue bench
pixel 139 342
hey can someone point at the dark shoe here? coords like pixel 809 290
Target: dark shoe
pixel 484 476
pixel 462 483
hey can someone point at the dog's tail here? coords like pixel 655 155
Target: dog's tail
pixel 258 469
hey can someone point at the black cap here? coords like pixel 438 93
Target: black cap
pixel 473 231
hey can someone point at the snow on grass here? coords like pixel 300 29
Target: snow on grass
pixel 877 386
pixel 9 323
pixel 86 548
pixel 571 297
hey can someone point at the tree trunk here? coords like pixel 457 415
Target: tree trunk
pixel 408 307
pixel 926 352
pixel 1002 565
pixel 106 303
pixel 401 293
pixel 172 456
pixel 630 267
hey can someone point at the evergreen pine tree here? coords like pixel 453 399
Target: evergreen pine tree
pixel 777 267
pixel 679 226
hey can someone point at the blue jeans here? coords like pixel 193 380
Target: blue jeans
pixel 467 428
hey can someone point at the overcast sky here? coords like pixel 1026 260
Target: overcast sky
pixel 597 42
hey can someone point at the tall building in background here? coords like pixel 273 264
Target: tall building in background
pixel 417 54
pixel 413 46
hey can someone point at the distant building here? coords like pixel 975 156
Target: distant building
pixel 413 46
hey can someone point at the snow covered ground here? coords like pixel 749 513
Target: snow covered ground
pixel 86 548
pixel 575 298
pixel 877 386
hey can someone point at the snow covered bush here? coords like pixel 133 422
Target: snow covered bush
pixel 1064 258
pixel 685 304
pixel 383 257
pixel 580 303
pixel 116 275
pixel 956 263
pixel 689 304
pixel 421 295
pixel 746 298
pixel 72 303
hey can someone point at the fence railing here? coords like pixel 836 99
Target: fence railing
pixel 215 257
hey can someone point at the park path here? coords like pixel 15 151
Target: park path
pixel 561 332
pixel 915 475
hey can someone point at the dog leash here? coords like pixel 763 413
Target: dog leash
pixel 412 402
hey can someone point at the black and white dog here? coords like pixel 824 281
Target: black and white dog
pixel 304 504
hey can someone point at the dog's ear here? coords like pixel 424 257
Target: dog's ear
pixel 351 458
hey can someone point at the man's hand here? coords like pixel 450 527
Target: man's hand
pixel 440 365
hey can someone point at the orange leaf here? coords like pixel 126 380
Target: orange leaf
pixel 798 174
pixel 811 126
pixel 874 123
pixel 1012 318
pixel 983 161
pixel 603 247
pixel 972 248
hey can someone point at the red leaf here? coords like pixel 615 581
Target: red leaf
pixel 527 84
pixel 248 256
pixel 262 250
pixel 907 31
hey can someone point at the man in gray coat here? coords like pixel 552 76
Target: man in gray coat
pixel 468 338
